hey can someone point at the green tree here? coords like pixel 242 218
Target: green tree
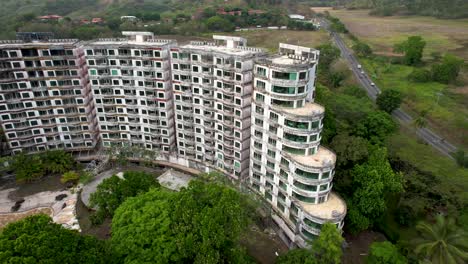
pixel 376 127
pixel 385 252
pixel 362 49
pixel 36 239
pixel 113 191
pixel 389 100
pixel 218 23
pixel 27 167
pixel 200 224
pixel 349 149
pixel 448 70
pixel 420 75
pixel 442 242
pixel 328 54
pixel 421 121
pixel 412 48
pixel 57 161
pixel 327 247
pixel 373 181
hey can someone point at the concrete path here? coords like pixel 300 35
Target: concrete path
pixel 62 212
pixel 91 187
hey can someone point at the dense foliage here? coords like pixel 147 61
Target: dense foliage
pixel 113 191
pixel 372 182
pixel 36 239
pixel 34 166
pixel 200 224
pixel 385 252
pixel 327 249
pixel 442 242
pixel 412 49
pixel 389 100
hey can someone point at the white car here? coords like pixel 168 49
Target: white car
pixel 362 72
pixel 359 66
pixel 373 84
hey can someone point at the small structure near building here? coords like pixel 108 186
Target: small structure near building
pixel 174 180
pixel 97 20
pixel 50 18
pixel 296 16
pixel 129 18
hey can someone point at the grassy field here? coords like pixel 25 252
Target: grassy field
pixel 382 33
pixel 447 104
pixel 448 112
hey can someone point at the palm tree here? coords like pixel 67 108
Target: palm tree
pixel 442 242
pixel 421 120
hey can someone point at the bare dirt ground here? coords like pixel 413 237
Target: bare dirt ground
pixel 358 246
pixel 5 219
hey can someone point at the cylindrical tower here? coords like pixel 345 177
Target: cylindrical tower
pixel 289 166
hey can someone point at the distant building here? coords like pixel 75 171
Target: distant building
pixel 84 21
pixel 232 13
pixel 45 96
pixel 50 18
pixel 296 16
pixel 256 12
pixel 97 20
pixel 129 18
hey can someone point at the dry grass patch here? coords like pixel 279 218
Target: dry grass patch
pixel 382 33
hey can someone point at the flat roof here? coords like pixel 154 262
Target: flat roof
pixel 21 44
pixel 121 42
pixel 223 49
pixel 322 158
pixel 309 109
pixel 333 208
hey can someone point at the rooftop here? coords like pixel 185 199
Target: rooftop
pixel 239 51
pixel 332 209
pixel 323 158
pixel 308 110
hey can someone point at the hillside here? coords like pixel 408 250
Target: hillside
pixel 21 15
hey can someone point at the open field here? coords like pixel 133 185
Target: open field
pixel 382 33
pixel 446 106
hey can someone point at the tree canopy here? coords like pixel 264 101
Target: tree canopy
pixel 36 239
pixel 373 181
pixel 113 191
pixel 327 249
pixel 412 49
pixel 442 242
pixel 448 70
pixel 389 100
pixel 385 252
pixel 200 224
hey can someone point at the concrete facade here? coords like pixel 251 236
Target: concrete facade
pixel 217 105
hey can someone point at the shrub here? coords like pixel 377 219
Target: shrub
pixel 420 75
pixel 389 100
pixel 70 176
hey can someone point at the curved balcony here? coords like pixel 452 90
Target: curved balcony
pixel 323 160
pixel 333 209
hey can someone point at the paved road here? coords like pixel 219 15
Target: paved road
pixel 425 134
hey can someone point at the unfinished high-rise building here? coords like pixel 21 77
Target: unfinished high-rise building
pixel 45 98
pixel 288 166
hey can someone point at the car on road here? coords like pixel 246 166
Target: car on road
pixel 359 66
pixel 373 84
pixel 362 72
